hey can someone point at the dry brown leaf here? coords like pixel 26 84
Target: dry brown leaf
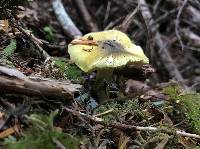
pixel 145 91
pixel 6 26
pixel 133 86
pixel 8 132
pixel 153 95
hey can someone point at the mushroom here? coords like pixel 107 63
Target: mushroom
pixel 105 51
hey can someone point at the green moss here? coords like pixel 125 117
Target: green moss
pixel 128 107
pixel 73 73
pixel 154 140
pixel 9 50
pixel 190 103
pixel 40 140
pixel 41 135
pixel 69 71
pixel 60 63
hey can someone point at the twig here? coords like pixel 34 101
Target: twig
pixel 131 127
pixel 113 23
pixel 164 16
pixel 127 21
pixel 29 36
pixel 177 24
pixel 78 113
pixel 104 113
pixel 155 129
pixel 192 37
pixel 156 6
pixel 91 26
pixel 67 24
pixel 58 143
pixel 107 13
pixel 194 14
pixel 41 42
pixel 163 52
pixel 83 118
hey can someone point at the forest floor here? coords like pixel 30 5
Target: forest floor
pixel 46 101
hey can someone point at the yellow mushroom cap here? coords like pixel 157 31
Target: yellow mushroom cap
pixel 106 49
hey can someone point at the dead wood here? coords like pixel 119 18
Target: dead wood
pixel 67 24
pixel 51 89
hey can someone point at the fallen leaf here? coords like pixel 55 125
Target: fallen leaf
pixel 4 25
pixel 153 95
pixel 8 132
pixel 133 86
pixel 145 91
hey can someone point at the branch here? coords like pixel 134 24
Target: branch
pixel 130 127
pixel 28 34
pixel 52 89
pixel 127 21
pixel 78 113
pixel 163 52
pixel 177 21
pixel 36 41
pixel 192 37
pixel 91 26
pixel 67 24
pixel 155 129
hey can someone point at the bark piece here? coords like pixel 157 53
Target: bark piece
pixel 51 89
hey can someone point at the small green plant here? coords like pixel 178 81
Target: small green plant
pixel 49 33
pixel 41 135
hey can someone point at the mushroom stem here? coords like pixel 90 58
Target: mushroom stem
pixel 99 87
